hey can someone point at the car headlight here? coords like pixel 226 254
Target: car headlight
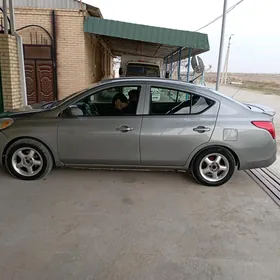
pixel 5 123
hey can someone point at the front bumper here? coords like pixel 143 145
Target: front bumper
pixel 3 143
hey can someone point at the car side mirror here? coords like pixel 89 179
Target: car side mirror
pixel 72 111
pixel 120 71
pixel 76 112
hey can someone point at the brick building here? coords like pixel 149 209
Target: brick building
pixel 59 57
pixel 10 74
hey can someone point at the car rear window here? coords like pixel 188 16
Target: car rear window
pixel 166 101
pixel 144 70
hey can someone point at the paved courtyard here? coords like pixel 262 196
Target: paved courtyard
pixel 87 224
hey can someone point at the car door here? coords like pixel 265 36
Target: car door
pixel 101 139
pixel 169 137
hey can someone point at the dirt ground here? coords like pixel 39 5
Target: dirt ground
pixel 100 225
pixel 266 83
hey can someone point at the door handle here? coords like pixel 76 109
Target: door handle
pixel 201 129
pixel 124 128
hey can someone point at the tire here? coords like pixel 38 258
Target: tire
pixel 215 160
pixel 19 160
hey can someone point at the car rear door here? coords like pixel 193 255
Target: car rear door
pixel 169 139
pixel 101 139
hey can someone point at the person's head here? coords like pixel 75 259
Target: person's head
pixel 119 101
pixel 133 95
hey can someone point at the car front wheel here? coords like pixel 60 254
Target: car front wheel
pixel 28 159
pixel 213 166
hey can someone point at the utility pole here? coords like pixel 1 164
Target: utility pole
pixel 221 45
pixel 225 71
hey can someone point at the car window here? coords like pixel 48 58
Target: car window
pixel 145 70
pixel 171 102
pixel 114 101
pixel 107 95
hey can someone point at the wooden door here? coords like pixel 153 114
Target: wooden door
pixel 44 70
pixel 39 74
pixel 31 81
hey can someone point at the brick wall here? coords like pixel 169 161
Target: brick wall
pixel 12 95
pixel 78 53
pixel 27 16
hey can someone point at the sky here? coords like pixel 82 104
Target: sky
pixel 255 24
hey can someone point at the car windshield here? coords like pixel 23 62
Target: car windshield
pixel 69 97
pixel 144 70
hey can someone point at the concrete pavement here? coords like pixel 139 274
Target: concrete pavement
pixel 86 224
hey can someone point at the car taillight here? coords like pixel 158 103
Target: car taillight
pixel 269 126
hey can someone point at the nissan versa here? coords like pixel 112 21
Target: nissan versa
pixel 140 123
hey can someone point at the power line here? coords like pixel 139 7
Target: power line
pixel 217 18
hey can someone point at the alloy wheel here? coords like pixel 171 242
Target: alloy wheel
pixel 214 167
pixel 27 161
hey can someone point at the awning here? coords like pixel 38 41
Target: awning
pixel 144 40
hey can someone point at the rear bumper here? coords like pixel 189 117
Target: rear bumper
pixel 259 164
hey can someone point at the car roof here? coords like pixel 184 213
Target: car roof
pixel 166 81
pixel 183 84
pixel 145 79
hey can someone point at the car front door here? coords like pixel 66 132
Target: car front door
pixel 101 139
pixel 175 123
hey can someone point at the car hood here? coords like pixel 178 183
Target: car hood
pixel 261 109
pixel 19 112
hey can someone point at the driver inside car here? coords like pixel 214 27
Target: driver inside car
pixel 133 102
pixel 119 103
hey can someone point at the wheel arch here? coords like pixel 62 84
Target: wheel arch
pixel 236 158
pixel 26 137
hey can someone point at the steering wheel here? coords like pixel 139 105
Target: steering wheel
pixel 89 108
pixel 94 109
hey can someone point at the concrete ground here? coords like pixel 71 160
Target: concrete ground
pixel 100 225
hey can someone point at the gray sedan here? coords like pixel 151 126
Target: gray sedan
pixel 140 123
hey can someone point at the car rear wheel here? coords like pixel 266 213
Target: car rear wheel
pixel 214 166
pixel 28 159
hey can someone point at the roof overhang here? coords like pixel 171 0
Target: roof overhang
pixel 136 39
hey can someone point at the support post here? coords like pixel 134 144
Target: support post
pixel 165 67
pixel 221 45
pixel 5 12
pixel 189 64
pixel 22 69
pixel 12 16
pixel 54 54
pixel 179 64
pixel 171 63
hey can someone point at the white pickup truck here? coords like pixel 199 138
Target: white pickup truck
pixel 140 66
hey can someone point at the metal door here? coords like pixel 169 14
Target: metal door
pixel 168 140
pixel 100 140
